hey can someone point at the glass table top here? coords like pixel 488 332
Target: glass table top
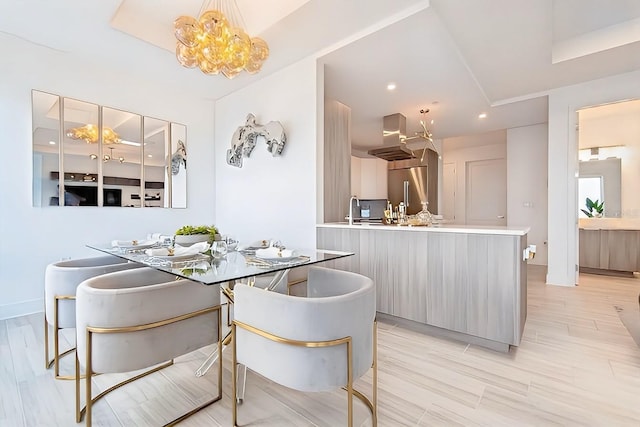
pixel 234 265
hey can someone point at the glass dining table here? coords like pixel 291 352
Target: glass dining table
pixel 224 272
pixel 235 265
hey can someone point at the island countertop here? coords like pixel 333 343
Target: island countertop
pixel 464 282
pixel 442 228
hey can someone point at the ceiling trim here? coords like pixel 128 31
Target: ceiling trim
pixel 392 19
pixel 596 41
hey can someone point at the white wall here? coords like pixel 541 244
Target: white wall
pixel 563 165
pixel 460 150
pixel 527 184
pixel 31 238
pixel 271 197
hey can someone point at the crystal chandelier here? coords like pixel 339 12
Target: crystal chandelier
pixel 217 43
pixel 89 133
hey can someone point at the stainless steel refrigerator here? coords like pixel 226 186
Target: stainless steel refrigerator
pixel 412 186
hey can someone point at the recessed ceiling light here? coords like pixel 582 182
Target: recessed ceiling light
pixel 482 115
pixel 432 121
pixel 52 143
pixel 391 86
pixel 149 155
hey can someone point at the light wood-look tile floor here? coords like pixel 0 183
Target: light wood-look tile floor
pixel 576 365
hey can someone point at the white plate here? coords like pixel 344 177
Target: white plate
pixel 128 244
pixel 177 257
pixel 271 254
pixel 260 244
pixel 283 259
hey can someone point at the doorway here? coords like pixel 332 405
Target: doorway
pixel 486 192
pixel 609 174
pixel 449 192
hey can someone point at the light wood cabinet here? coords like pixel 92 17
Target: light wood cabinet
pixel 616 250
pixel 474 284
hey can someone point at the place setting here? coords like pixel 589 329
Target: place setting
pixel 176 253
pixel 134 245
pixel 270 253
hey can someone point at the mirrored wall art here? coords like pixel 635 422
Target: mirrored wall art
pixel 85 154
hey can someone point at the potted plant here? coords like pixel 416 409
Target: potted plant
pixel 594 209
pixel 189 234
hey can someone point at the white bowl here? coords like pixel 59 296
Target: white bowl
pixel 190 239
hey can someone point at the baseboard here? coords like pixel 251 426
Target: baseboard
pixel 603 272
pixel 22 308
pixel 444 333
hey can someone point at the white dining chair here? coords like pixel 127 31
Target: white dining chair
pixel 316 343
pixel 60 282
pixel 137 319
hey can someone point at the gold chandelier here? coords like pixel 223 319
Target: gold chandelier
pixel 89 133
pixel 216 44
pixel 107 157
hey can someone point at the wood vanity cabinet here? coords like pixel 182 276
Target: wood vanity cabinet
pixel 617 250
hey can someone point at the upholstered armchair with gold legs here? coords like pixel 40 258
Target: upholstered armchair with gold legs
pixel 60 282
pixel 316 343
pixel 138 319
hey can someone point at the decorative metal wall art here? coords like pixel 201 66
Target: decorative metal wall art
pixel 244 140
pixel 179 157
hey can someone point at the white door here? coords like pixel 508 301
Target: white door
pixel 486 192
pixel 449 192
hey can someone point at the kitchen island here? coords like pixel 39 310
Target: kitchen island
pixel 465 282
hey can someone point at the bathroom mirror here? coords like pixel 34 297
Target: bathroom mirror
pixel 85 154
pixel 609 154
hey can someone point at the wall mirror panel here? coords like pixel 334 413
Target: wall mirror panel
pixel 156 149
pixel 46 146
pixel 89 155
pixel 609 154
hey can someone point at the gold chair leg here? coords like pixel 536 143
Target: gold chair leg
pixel 204 405
pixel 373 403
pixel 47 363
pixel 350 383
pixel 55 362
pixel 86 411
pixel 77 379
pixel 374 366
pixel 234 378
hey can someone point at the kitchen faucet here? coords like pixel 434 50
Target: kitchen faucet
pixel 350 217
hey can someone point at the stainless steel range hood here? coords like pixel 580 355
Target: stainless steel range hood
pixel 394 132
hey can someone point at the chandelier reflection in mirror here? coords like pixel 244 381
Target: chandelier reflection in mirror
pixel 89 133
pixel 216 43
pixel 107 157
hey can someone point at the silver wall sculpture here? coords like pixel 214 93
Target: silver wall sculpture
pixel 179 157
pixel 244 140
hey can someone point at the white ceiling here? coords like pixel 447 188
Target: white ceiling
pixel 456 57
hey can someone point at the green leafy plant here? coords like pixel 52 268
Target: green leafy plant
pixel 594 209
pixel 193 271
pixel 201 229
